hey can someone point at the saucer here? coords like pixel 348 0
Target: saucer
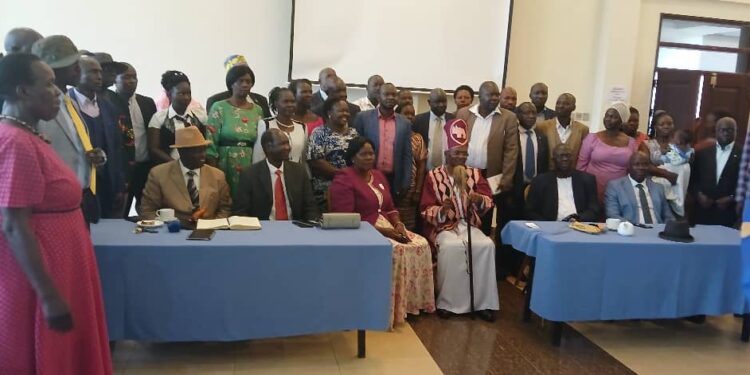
pixel 150 223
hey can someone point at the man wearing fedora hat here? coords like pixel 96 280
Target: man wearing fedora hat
pixel 188 185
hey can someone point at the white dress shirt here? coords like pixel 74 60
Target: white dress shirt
pixel 566 204
pixel 480 134
pixel 563 131
pixel 139 130
pixel 196 178
pixel 722 157
pixel 364 104
pixel 162 116
pixel 88 106
pixel 272 170
pixel 430 133
pixel 522 135
pixel 638 200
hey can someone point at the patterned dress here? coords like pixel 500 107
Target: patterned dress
pixel 330 146
pixel 233 132
pixel 413 287
pixel 406 206
pixel 32 175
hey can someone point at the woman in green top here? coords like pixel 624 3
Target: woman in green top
pixel 233 126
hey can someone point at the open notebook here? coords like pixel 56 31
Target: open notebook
pixel 232 222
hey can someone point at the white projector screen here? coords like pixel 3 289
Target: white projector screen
pixel 414 44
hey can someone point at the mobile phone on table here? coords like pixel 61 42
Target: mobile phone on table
pixel 302 224
pixel 202 234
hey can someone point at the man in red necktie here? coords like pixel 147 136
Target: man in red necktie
pixel 276 188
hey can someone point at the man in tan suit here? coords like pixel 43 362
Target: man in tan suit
pixel 493 143
pixel 563 129
pixel 188 185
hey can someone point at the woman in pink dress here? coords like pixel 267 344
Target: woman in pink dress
pixel 51 311
pixel 360 188
pixel 606 154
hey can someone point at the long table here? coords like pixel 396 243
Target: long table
pixel 278 281
pixel 583 277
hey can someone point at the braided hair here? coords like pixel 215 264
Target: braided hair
pixel 172 78
pixel 274 96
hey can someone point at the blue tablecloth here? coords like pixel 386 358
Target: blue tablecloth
pixel 580 276
pixel 279 281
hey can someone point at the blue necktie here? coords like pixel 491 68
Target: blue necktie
pixel 530 168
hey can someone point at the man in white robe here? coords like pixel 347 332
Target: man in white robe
pixel 451 194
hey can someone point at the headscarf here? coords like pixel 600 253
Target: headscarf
pixel 234 60
pixel 622 108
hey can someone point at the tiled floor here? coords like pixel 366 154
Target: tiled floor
pixel 674 346
pixel 463 346
pixel 398 352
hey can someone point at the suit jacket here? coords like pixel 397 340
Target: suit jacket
pixel 257 98
pixel 703 172
pixel 578 131
pixel 317 100
pixel 65 141
pixel 542 165
pixel 166 188
pixel 148 109
pixel 254 196
pixel 353 194
pixel 542 202
pixel 621 202
pixel 368 125
pixel 113 145
pixel 422 125
pixel 703 179
pixel 502 145
pixel 548 113
pixel 353 111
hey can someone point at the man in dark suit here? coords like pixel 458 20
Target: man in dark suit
pixel 393 150
pixel 101 122
pixel 258 99
pixel 430 126
pixel 532 160
pixel 275 188
pixel 713 179
pixel 578 199
pixel 137 111
pixel 335 88
pixel 538 95
pixel 320 96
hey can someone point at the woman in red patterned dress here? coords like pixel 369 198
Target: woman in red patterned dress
pixel 51 311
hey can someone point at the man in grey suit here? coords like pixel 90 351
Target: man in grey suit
pixel 320 96
pixel 276 188
pixel 62 56
pixel 635 197
pixel 396 165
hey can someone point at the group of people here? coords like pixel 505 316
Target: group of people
pixel 74 151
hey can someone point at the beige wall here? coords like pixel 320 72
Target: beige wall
pixel 587 46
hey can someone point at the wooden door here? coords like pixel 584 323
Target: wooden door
pixel 729 92
pixel 677 93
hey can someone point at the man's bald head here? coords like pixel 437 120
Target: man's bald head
pixel 726 131
pixel 538 95
pixel 508 98
pixel 438 101
pixel 325 73
pixel 20 40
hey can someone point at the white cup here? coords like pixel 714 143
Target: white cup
pixel 613 223
pixel 165 214
pixel 626 229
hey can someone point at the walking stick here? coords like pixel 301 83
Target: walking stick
pixel 467 216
